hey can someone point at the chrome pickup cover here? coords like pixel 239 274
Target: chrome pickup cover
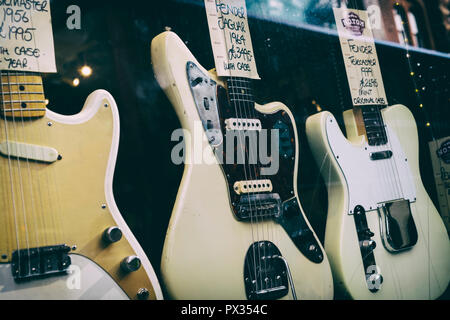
pixel 203 90
pixel 397 227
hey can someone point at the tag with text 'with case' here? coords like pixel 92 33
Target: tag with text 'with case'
pixel 230 38
pixel 26 37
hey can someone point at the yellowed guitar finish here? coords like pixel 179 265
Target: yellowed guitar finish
pixel 69 201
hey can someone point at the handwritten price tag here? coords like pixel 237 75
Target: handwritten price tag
pixel 360 57
pixel 26 37
pixel 230 38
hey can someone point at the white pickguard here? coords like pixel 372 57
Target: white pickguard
pixel 86 281
pixel 371 182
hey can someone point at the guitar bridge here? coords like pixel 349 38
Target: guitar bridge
pixel 397 228
pixel 31 263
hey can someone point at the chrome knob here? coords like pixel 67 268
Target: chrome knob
pixel 368 245
pixel 130 264
pixel 112 234
pixel 143 294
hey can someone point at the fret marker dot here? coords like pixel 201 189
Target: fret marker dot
pixel 23 105
pixel 21 88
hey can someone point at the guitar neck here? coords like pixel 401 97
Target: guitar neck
pixel 240 94
pixel 21 95
pixel 370 123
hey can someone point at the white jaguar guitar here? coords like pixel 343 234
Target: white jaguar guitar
pixel 236 232
pixel 384 237
pixel 61 233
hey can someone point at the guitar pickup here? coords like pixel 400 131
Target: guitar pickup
pixel 248 186
pixel 243 124
pixel 381 155
pixel 28 151
pixel 32 263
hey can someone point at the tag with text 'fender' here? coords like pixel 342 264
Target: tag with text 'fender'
pixel 230 38
pixel 360 57
pixel 26 37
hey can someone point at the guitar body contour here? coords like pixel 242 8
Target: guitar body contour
pixel 420 272
pixel 205 246
pixel 69 201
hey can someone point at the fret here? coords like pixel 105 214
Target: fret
pixel 374 125
pixel 240 94
pixel 242 100
pixel 240 91
pixel 21 95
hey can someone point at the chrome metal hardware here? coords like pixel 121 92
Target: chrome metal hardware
pixel 291 282
pixel 381 155
pixel 143 294
pixel 112 234
pixel 130 264
pixel 38 262
pixel 204 92
pixel 397 228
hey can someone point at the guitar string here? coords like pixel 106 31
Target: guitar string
pixel 394 180
pixel 58 220
pixel 230 87
pixel 381 174
pixel 230 91
pixel 265 217
pixel 11 175
pixel 249 106
pixel 242 145
pixel 33 208
pixel 246 114
pixel 389 167
pixel 21 187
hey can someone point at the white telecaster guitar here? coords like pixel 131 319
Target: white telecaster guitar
pixel 384 237
pixel 235 233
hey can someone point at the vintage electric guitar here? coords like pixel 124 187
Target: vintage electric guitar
pixel 384 237
pixel 61 233
pixel 235 233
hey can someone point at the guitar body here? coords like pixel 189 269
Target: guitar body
pixel 353 178
pixel 206 245
pixel 69 201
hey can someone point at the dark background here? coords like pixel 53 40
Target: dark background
pixel 298 66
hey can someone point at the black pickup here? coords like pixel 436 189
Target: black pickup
pixel 31 263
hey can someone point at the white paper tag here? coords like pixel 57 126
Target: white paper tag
pixel 360 57
pixel 230 38
pixel 26 37
pixel 440 158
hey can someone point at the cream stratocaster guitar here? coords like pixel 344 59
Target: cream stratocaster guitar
pixel 235 232
pixel 384 237
pixel 61 233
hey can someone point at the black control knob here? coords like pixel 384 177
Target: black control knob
pixel 130 264
pixel 112 234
